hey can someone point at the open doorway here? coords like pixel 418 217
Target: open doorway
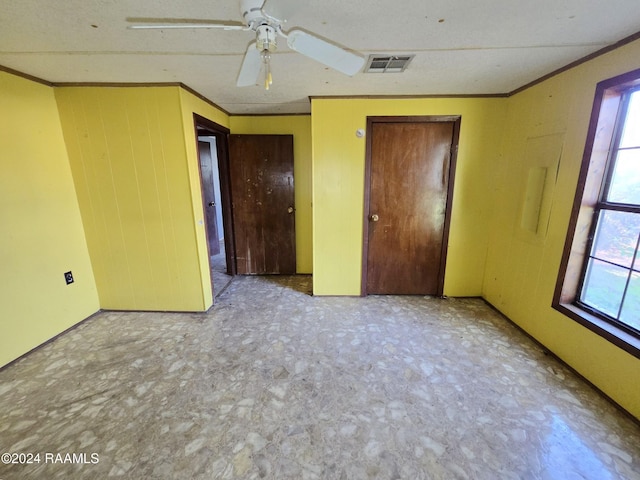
pixel 212 141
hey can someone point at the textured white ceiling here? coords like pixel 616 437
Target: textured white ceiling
pixel 461 46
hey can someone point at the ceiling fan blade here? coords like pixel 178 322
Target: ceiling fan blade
pixel 324 52
pixel 141 23
pixel 250 69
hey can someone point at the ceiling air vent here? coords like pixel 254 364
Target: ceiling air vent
pixel 387 63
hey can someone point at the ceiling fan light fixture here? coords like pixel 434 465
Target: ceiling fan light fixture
pixel 266 59
pixel 266 44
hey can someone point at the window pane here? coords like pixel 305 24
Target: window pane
pixel 603 287
pixel 625 182
pixel 631 132
pixel 631 307
pixel 616 237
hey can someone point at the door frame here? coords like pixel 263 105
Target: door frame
pixel 204 127
pixel 371 121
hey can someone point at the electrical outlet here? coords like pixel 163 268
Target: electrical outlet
pixel 68 277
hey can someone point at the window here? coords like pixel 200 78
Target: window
pixel 599 280
pixel 611 278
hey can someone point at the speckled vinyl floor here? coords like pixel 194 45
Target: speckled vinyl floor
pixel 219 275
pixel 274 383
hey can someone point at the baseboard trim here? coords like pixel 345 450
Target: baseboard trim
pixel 47 342
pixel 547 351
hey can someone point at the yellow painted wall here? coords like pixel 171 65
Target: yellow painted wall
pixel 521 268
pixel 42 235
pixel 300 127
pixel 128 157
pixel 189 105
pixel 338 187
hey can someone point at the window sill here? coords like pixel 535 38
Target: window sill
pixel 615 335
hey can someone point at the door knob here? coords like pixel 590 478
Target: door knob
pixel 290 209
pixel 374 217
pixel 212 204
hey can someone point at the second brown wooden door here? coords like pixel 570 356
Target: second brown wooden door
pixel 262 196
pixel 409 166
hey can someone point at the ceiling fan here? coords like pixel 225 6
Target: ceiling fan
pixel 267 29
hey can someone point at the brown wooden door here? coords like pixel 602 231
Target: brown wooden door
pixel 262 196
pixel 209 197
pixel 409 166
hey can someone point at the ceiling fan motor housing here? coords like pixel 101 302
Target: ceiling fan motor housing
pixel 251 11
pixel 266 38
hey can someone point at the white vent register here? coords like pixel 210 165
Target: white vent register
pixel 387 63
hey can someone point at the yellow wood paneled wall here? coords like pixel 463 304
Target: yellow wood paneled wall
pixel 191 104
pixel 42 235
pixel 521 269
pixel 338 187
pixel 128 157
